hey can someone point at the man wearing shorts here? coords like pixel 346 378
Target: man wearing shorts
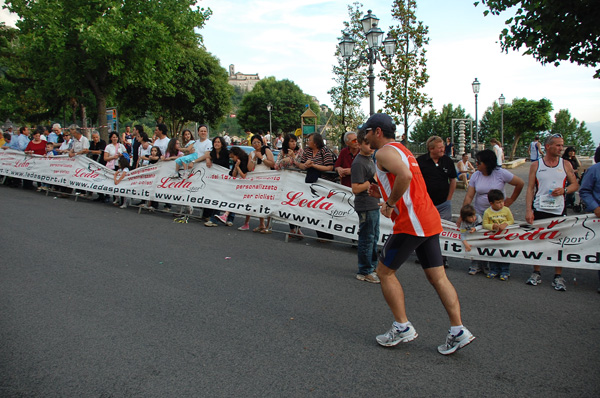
pixel 546 196
pixel 417 226
pixel 535 149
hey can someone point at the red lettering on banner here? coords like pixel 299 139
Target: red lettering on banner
pixel 165 183
pixel 554 223
pixel 83 173
pixel 449 234
pixel 21 164
pixel 532 235
pixel 294 200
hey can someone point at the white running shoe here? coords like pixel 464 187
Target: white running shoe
pixel 454 343
pixel 534 280
pixel 394 336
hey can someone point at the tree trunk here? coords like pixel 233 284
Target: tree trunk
pixel 514 147
pixel 73 103
pixel 102 120
pixel 100 94
pixel 84 125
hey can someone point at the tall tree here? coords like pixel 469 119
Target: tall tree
pixel 351 82
pixel 106 45
pixel 574 133
pixel 552 30
pixel 19 99
pixel 288 100
pixel 490 125
pixel 434 123
pixel 525 119
pixel 198 91
pixel 406 73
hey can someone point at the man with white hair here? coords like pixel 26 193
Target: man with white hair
pixel 55 135
pixel 343 164
pixel 81 144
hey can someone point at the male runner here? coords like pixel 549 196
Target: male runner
pixel 546 191
pixel 417 226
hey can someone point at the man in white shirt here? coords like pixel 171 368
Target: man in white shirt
pixel 227 138
pixel 202 148
pixel 161 140
pixel 81 144
pixel 498 151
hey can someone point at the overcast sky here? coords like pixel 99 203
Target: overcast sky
pixel 296 40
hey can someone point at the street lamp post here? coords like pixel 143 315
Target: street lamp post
pixel 476 85
pixel 270 109
pixel 371 54
pixel 501 101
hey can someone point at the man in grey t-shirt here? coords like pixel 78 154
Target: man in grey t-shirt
pixel 367 208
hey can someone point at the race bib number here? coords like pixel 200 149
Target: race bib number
pixel 549 202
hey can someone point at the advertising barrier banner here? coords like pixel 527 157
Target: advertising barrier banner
pixel 323 205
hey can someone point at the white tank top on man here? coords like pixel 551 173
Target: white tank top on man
pixel 548 179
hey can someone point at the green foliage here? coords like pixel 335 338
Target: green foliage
pixel 351 80
pixel 203 93
pixel 230 124
pixel 524 118
pixel 18 99
pixel 574 133
pixel 288 100
pixel 552 30
pixel 490 125
pixel 440 124
pixel 406 74
pixel 105 45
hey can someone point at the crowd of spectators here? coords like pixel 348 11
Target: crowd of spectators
pixel 485 184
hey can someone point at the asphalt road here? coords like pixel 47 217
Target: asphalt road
pixel 97 301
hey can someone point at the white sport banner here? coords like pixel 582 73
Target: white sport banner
pixel 323 205
pixel 572 242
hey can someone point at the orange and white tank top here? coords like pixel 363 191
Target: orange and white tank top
pixel 414 213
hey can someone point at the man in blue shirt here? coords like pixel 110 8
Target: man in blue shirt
pixel 54 135
pixel 590 192
pixel 590 189
pixel 19 143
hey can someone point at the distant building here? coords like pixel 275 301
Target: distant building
pixel 242 80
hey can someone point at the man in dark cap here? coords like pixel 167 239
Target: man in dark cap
pixel 417 226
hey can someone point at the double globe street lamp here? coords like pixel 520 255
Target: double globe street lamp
pixel 502 101
pixel 270 109
pixel 476 85
pixel 371 55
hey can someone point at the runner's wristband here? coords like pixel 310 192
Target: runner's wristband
pixel 387 204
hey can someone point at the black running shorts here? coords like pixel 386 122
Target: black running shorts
pixel 399 246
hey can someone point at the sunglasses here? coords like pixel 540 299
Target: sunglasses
pixel 354 141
